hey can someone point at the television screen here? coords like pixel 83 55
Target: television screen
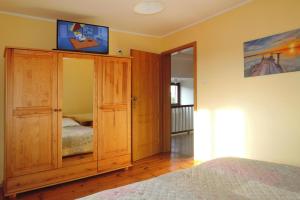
pixel 73 36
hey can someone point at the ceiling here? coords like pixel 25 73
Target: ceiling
pixel 119 14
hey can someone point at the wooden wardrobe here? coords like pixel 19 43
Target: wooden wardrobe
pixel 33 119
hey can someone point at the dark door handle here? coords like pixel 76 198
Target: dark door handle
pixel 134 98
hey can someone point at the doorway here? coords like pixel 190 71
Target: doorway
pixel 179 98
pixel 182 102
pixel 151 100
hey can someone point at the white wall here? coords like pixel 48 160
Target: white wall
pixel 187 91
pixel 183 144
pixel 182 64
pixel 182 71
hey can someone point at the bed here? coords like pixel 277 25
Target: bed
pixel 220 179
pixel 76 139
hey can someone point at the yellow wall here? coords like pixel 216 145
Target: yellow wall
pixel 25 32
pixel 254 117
pixel 78 81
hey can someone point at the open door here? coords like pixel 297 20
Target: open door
pixel 146 104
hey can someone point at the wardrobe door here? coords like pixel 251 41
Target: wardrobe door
pixel 77 122
pixel 31 120
pixel 114 126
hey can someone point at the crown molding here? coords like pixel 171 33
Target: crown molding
pixel 136 33
pixel 207 18
pixel 27 16
pixel 54 20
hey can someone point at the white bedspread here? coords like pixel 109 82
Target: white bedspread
pixel 77 140
pixel 221 179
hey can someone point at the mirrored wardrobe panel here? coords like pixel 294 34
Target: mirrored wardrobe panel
pixel 77 121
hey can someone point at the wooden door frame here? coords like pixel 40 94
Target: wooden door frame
pixel 166 99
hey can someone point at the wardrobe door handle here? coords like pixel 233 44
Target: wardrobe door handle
pixel 57 110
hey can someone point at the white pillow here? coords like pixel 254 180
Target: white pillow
pixel 69 122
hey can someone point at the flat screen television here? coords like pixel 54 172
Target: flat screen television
pixel 74 36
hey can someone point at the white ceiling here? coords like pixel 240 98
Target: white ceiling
pixel 119 14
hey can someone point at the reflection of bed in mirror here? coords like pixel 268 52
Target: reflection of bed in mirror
pixel 77 106
pixel 77 136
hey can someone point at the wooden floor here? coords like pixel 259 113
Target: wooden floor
pixel 141 170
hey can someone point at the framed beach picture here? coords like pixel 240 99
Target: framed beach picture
pixel 272 55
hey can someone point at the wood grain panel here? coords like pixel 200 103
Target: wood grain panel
pixel 33 79
pixel 33 150
pixel 114 140
pixel 31 134
pixel 114 124
pixel 46 178
pixel 115 81
pixel 111 164
pixel 146 94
